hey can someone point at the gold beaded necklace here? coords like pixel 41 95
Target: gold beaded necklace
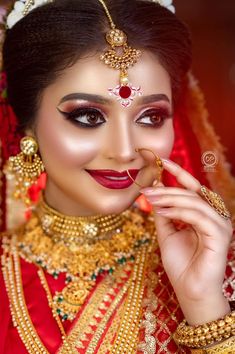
pixel 75 231
pixel 81 261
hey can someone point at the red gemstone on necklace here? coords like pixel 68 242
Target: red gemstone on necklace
pixel 125 92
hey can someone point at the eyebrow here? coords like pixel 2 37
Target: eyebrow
pixel 154 98
pixel 85 97
pixel 104 100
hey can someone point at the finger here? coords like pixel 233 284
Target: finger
pixel 197 218
pixel 164 226
pixel 182 176
pixel 185 201
pixel 159 190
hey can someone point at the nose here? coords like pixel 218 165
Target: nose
pixel 120 142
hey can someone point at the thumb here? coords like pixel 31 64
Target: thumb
pixel 164 226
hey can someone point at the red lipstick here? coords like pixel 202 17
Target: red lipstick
pixel 113 179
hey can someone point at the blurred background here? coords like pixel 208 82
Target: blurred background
pixel 212 24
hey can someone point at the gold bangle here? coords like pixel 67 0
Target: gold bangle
pixel 206 334
pixel 225 347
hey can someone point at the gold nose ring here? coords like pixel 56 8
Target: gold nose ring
pixel 158 162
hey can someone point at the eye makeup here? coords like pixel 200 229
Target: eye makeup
pixel 86 117
pixel 154 117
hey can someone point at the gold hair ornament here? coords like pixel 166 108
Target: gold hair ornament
pixel 26 167
pixel 120 56
pixel 117 39
pixel 159 165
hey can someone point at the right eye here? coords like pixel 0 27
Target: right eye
pixel 85 117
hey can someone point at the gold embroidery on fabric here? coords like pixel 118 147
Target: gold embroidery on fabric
pixel 149 306
pixel 101 326
pixel 106 344
pixel 126 340
pixel 91 312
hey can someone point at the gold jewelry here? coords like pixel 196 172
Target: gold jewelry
pixel 206 334
pixel 132 312
pixel 134 285
pixel 129 56
pixel 225 347
pixel 83 261
pixel 75 231
pixel 50 300
pixel 26 166
pixel 159 165
pixel 215 201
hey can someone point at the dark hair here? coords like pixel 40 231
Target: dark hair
pixel 54 36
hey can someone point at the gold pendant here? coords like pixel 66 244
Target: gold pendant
pixel 68 302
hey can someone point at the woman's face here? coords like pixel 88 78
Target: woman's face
pixel 86 136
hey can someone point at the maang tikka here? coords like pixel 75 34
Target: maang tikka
pixel 117 39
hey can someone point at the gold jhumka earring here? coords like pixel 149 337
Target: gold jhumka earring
pixel 158 163
pixel 26 167
pixel 124 92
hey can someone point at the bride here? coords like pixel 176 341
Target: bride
pixel 126 248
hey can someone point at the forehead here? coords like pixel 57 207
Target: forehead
pixel 91 75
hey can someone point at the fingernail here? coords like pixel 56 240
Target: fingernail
pixel 147 190
pixel 155 182
pixel 166 161
pixel 162 211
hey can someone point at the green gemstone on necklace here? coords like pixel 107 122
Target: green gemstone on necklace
pixel 68 279
pixel 60 299
pixel 122 260
pixel 93 277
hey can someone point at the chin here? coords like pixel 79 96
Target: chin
pixel 115 205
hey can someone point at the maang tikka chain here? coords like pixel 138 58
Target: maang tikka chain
pixel 117 39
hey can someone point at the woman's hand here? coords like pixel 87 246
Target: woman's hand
pixel 195 257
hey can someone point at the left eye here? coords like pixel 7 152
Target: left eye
pixel 85 117
pixel 154 118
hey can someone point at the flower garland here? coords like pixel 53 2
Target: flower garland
pixel 23 7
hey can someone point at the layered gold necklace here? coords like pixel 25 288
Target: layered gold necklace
pixel 82 248
pixel 119 242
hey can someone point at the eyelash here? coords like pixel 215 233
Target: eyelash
pixel 83 112
pixel 88 112
pixel 158 113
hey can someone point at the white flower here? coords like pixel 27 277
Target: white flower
pixel 18 12
pixel 166 3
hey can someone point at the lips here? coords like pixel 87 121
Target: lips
pixel 113 179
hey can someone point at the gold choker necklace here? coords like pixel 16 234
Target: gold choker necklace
pixel 82 262
pixel 73 230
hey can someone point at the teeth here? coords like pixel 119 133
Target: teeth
pixel 117 178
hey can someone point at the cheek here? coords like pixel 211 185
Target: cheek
pixel 64 144
pixel 160 141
